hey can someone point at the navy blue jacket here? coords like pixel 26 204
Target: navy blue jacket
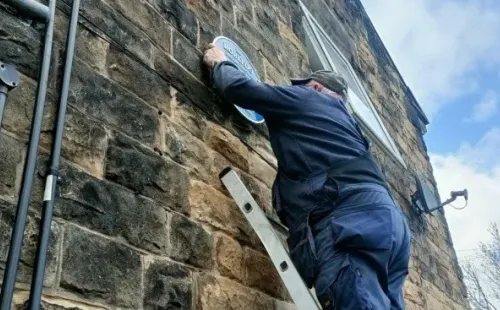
pixel 309 131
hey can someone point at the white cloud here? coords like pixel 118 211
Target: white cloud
pixel 440 47
pixel 467 169
pixel 484 109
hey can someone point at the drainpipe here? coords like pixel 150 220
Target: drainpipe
pixel 28 8
pixel 53 175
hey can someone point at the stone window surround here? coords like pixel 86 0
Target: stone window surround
pixel 380 135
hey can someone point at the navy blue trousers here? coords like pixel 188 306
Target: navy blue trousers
pixel 363 253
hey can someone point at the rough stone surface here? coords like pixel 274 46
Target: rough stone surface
pixel 260 273
pixel 176 13
pixel 84 141
pixel 229 146
pixel 145 18
pixel 11 156
pixel 18 111
pixel 112 210
pixel 167 286
pixel 147 173
pixel 28 252
pixel 98 97
pixel 229 257
pixel 117 27
pixel 187 55
pixel 89 47
pixel 139 79
pixel 189 151
pixel 191 243
pixel 20 44
pixel 216 292
pixel 198 93
pixel 99 268
pixel 259 168
pixel 212 207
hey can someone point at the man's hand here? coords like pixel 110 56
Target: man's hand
pixel 213 55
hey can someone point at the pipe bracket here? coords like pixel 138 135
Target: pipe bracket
pixel 9 76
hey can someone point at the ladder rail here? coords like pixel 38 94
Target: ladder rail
pixel 301 295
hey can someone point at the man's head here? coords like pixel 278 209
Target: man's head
pixel 324 79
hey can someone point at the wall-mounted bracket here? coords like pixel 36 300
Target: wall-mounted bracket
pixel 9 78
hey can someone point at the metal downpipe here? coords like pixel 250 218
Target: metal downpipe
pixel 53 175
pixel 31 8
pixel 16 241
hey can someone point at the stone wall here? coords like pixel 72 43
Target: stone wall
pixel 142 221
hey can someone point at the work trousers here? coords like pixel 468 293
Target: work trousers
pixel 363 253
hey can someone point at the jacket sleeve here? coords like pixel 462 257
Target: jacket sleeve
pixel 265 99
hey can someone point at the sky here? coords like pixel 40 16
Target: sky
pixel 448 52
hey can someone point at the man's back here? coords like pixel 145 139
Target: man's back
pixel 309 131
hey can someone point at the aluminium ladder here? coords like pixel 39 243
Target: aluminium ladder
pixel 302 297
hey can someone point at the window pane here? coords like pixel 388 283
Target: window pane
pixel 342 67
pixel 316 57
pixel 366 114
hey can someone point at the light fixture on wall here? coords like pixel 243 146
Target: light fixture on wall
pixel 424 200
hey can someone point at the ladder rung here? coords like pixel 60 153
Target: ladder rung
pixel 302 297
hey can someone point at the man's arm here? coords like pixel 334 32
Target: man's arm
pixel 237 88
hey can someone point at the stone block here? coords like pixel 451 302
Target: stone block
pixel 230 31
pixel 139 79
pixel 197 92
pixel 95 267
pixel 28 251
pixel 147 19
pixel 207 35
pixel 210 206
pixel 259 192
pixel 187 55
pixel 222 141
pixel 147 173
pixel 267 21
pixel 273 76
pixel 260 169
pixel 21 44
pixel 112 210
pixel 180 16
pixel 96 96
pixel 262 146
pixel 189 151
pixel 245 8
pixel 19 109
pixel 117 27
pixel 89 47
pixel 270 47
pixel 215 292
pixel 206 10
pixel 84 142
pixel 229 257
pixel 191 243
pixel 261 273
pixel 413 293
pixel 11 164
pixel 20 302
pixel 186 114
pixel 167 285
pixel 227 9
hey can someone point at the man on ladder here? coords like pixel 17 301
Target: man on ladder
pixel 348 238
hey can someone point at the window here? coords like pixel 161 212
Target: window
pixel 324 54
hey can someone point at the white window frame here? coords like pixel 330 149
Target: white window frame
pixel 383 138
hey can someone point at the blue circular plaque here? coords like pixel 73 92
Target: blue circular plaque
pixel 237 56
